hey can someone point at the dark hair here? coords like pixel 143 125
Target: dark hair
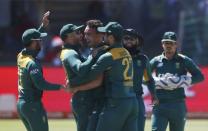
pixel 116 37
pixel 94 24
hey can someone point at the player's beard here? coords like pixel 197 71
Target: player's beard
pixel 133 50
pixel 38 47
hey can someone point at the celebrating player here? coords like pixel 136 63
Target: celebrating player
pixel 120 109
pixel 31 82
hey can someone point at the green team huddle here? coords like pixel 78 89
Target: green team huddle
pixel 107 84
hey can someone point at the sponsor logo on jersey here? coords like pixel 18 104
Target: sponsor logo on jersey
pixel 34 71
pixel 160 64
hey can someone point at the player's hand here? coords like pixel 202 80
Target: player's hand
pixel 99 51
pixel 64 88
pixel 45 19
pixel 162 83
pixel 73 90
pixel 183 81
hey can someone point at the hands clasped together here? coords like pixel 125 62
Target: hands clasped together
pixel 169 81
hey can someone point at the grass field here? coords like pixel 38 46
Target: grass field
pixel 69 125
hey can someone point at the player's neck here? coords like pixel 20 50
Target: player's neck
pixel 169 56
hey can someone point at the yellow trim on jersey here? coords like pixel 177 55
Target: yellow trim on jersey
pixel 118 53
pixel 63 52
pixel 146 77
pixel 22 60
pixel 128 83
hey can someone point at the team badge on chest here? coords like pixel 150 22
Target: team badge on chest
pixel 160 64
pixel 177 64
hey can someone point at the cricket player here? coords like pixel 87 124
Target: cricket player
pixel 31 82
pixel 95 41
pixel 171 70
pixel 120 110
pixel 76 66
pixel 132 41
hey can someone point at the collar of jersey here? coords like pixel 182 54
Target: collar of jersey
pixel 69 46
pixel 116 45
pixel 33 53
pixel 164 58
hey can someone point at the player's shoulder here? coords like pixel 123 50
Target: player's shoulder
pixel 106 55
pixel 118 53
pixel 182 56
pixel 24 60
pixel 157 58
pixel 143 57
pixel 65 53
pixel 185 58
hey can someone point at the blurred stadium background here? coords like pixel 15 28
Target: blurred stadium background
pixel 189 18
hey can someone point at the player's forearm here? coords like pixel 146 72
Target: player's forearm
pixel 93 84
pixel 41 28
pixel 194 70
pixel 83 68
pixel 42 84
pixel 197 78
pixel 151 86
pixel 87 86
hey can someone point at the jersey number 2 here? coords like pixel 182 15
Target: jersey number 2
pixel 126 74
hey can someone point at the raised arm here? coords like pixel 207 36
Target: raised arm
pixel 45 22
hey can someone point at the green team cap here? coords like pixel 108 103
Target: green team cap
pixel 169 36
pixel 131 32
pixel 69 28
pixel 32 34
pixel 113 28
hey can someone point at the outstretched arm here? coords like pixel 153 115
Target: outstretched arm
pixel 38 79
pixel 93 84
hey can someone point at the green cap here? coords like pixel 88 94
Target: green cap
pixel 131 32
pixel 32 34
pixel 169 36
pixel 113 28
pixel 69 28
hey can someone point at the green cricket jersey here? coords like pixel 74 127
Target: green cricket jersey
pixel 73 63
pixel 117 66
pixel 31 82
pixel 142 71
pixel 178 65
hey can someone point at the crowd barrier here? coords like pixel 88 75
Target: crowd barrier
pixel 57 103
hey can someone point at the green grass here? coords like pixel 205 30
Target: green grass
pixel 69 125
